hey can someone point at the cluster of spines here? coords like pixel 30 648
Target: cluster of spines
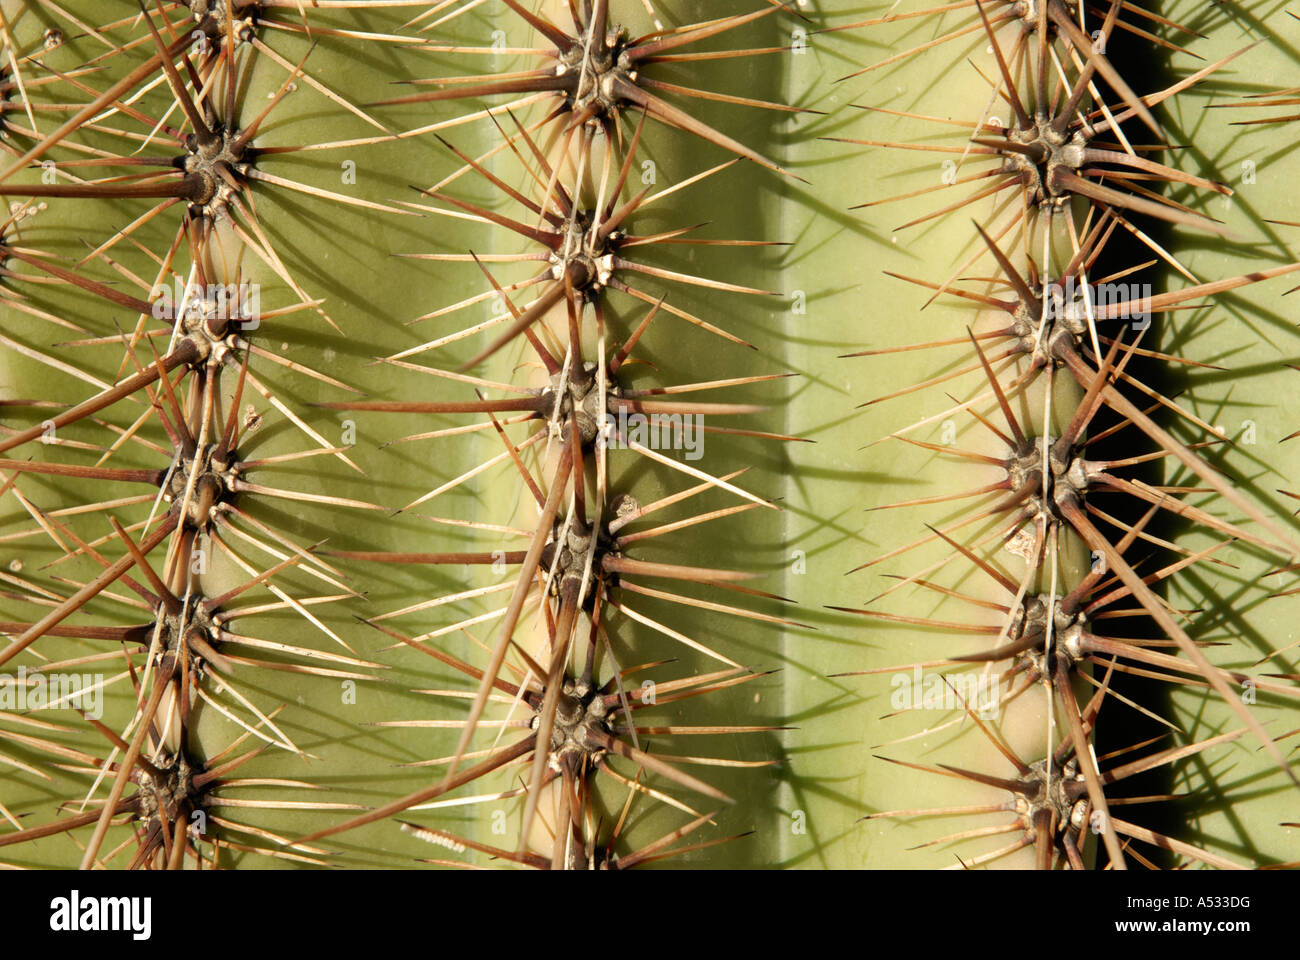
pixel 577 577
pixel 577 566
pixel 166 403
pixel 1054 183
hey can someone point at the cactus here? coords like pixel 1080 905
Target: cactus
pixel 437 464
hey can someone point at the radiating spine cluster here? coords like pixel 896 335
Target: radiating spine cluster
pixel 555 594
pixel 1065 376
pixel 578 578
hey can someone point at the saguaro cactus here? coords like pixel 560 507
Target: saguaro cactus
pixel 593 434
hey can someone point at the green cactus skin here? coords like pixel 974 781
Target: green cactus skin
pixel 833 299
